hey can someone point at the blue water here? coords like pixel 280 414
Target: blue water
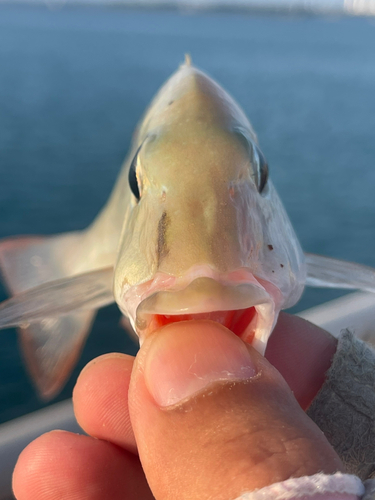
pixel 73 83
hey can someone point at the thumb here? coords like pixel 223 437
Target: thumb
pixel 213 419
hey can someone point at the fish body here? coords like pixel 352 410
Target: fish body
pixel 194 228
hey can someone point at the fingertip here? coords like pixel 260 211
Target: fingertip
pixel 100 399
pixel 184 358
pixel 104 359
pixel 35 463
pixel 60 464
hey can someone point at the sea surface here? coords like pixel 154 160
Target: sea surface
pixel 74 82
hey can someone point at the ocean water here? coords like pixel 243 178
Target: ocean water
pixel 74 82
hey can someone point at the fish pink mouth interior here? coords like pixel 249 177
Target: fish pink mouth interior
pixel 237 321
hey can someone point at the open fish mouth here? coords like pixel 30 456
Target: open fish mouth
pixel 237 300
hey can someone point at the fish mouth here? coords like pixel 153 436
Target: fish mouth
pixel 245 305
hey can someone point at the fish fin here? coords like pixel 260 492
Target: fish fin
pixel 51 349
pixel 54 320
pixel 57 298
pixel 326 272
pixel 28 261
pixel 188 61
pixel 53 310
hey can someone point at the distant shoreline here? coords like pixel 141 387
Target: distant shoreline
pixel 188 7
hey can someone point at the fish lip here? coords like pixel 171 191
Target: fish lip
pixel 204 290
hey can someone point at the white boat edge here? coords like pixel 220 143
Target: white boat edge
pixel 355 311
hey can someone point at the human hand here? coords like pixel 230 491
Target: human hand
pixel 237 428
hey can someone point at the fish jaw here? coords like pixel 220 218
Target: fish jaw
pixel 247 305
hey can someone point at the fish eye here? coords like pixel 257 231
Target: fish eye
pixel 262 168
pixel 133 181
pixel 258 161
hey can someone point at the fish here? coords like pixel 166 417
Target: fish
pixel 193 229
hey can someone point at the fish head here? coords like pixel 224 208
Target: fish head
pixel 206 235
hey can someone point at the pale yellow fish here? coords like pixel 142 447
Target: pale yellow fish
pixel 193 229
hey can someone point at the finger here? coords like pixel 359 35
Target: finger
pixel 302 352
pixel 213 419
pixel 63 465
pixel 100 399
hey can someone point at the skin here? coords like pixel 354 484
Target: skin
pixel 228 437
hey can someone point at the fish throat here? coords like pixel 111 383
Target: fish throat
pixel 237 321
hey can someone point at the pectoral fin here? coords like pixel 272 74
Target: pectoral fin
pixel 87 291
pixel 333 273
